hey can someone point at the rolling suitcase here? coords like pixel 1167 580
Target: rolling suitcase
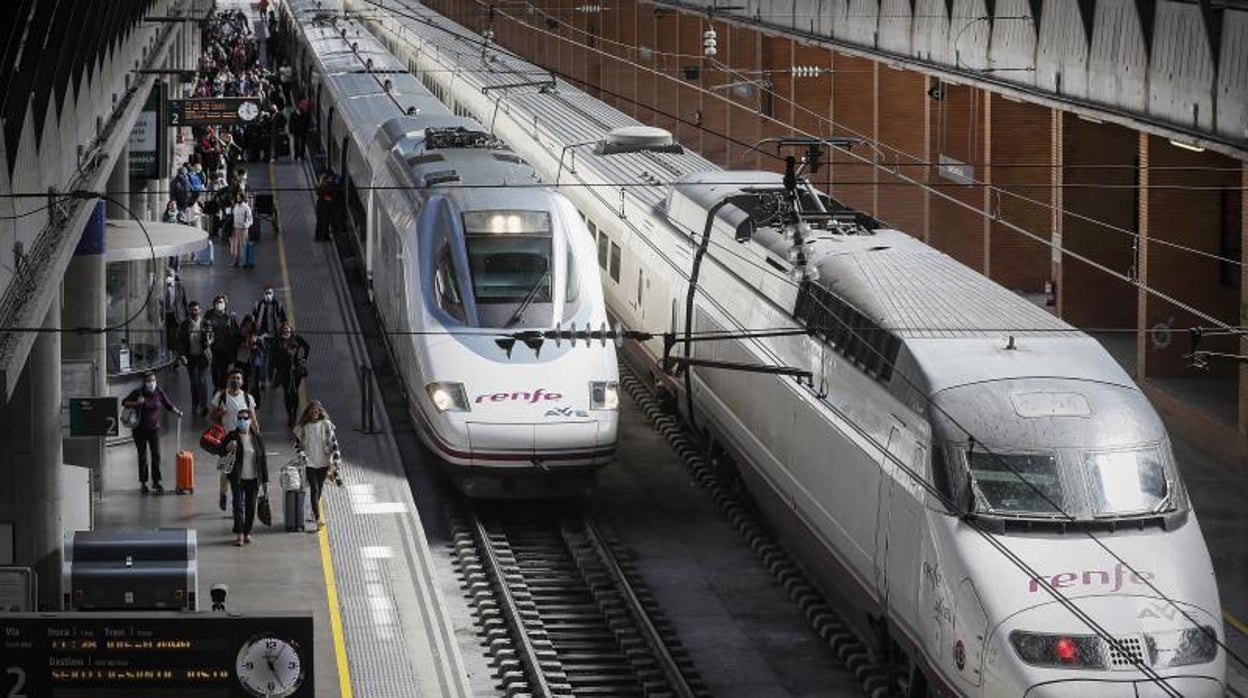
pixel 186 467
pixel 204 257
pixel 249 254
pixel 292 510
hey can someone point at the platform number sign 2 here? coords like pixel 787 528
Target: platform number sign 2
pixel 15 682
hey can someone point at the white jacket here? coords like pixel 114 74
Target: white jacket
pixel 316 439
pixel 242 216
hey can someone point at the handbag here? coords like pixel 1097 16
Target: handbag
pixel 130 417
pixel 226 463
pixel 213 440
pixel 263 511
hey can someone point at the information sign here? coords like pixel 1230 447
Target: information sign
pixel 17 590
pixel 89 655
pixel 93 416
pixel 212 111
pixel 147 139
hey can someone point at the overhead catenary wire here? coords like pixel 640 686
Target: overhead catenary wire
pixel 1057 595
pixel 996 188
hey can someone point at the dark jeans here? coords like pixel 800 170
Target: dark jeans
pixel 316 485
pixel 300 143
pixel 221 364
pixel 245 493
pixel 171 331
pixel 195 368
pixel 324 220
pixel 145 439
pixel 290 394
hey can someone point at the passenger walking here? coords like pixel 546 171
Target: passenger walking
pixel 225 337
pixel 317 441
pixel 174 305
pixel 248 474
pixel 226 405
pixel 242 224
pixel 290 356
pixel 270 316
pixel 326 206
pixel 148 402
pixel 300 123
pixel 194 341
pixel 250 357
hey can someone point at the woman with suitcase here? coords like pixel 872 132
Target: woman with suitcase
pixel 145 404
pixel 317 441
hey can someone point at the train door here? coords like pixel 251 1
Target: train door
pixel 898 524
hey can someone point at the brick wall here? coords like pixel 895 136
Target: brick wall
pixel 902 138
pixel 1098 154
pixel 957 131
pixel 1021 156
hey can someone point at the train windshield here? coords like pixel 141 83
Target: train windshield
pixel 510 256
pixel 1127 482
pixel 1016 483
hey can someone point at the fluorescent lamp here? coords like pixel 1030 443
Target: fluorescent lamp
pixel 1186 146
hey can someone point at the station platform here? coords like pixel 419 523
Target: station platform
pixel 367 577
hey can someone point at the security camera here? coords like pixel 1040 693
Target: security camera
pixel 218 592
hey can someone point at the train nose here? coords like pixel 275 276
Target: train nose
pixel 1158 649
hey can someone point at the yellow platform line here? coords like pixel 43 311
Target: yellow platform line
pixel 322 536
pixel 1236 623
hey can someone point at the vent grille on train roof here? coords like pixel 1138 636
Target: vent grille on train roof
pixel 441 177
pixel 425 159
pixel 508 157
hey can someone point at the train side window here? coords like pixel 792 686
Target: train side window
pixel 603 243
pixel 593 229
pixel 447 286
pixel 615 262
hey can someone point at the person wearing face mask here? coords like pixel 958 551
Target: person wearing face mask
pixel 149 400
pixel 194 342
pixel 270 315
pixel 249 476
pixel 174 304
pixel 226 335
pixel 289 361
pixel 226 405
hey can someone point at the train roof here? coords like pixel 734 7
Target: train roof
pixel 919 292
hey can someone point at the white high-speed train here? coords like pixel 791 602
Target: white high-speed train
pixel 462 249
pixel 1007 430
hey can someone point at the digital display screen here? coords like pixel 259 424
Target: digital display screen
pixel 209 111
pixel 91 655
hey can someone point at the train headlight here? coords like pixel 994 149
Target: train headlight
pixel 1060 651
pixel 448 397
pixel 604 395
pixel 1182 647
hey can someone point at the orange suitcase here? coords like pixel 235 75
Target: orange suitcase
pixel 186 467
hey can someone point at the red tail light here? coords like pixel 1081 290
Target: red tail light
pixel 1066 650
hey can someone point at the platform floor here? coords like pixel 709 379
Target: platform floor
pixel 366 578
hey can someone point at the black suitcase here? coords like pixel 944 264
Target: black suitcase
pixel 292 510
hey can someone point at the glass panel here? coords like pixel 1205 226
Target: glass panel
pixel 509 253
pixel 1127 482
pixel 506 267
pixel 1017 482
pixel 615 261
pixel 571 290
pixel 603 243
pixel 448 286
pixel 139 342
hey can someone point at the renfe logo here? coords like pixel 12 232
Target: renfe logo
pixel 523 396
pixel 1092 578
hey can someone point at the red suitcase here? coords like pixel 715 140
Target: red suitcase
pixel 186 467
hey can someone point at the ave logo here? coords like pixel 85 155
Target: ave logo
pixel 565 412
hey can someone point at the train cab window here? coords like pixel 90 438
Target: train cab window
pixel 615 262
pixel 604 243
pixel 1127 482
pixel 447 286
pixel 509 255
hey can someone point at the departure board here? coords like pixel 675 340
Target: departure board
pixel 212 111
pixel 187 655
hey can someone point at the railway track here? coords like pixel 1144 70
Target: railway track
pixel 560 609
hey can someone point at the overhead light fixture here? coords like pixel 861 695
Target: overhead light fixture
pixel 1186 146
pixel 1089 119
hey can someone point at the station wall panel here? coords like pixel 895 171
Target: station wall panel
pixel 903 140
pixel 853 114
pixel 1021 157
pixel 957 139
